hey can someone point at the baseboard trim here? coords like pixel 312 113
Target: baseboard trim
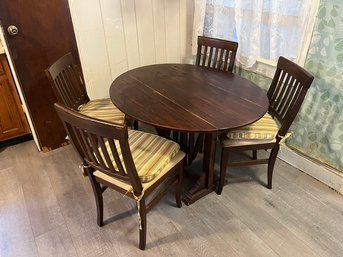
pixel 323 173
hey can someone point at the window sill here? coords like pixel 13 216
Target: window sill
pixel 264 67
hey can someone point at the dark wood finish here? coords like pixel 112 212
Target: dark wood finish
pixel 216 53
pixel 13 122
pixel 45 33
pixel 286 94
pixel 67 83
pixel 205 184
pixel 188 98
pixel 88 136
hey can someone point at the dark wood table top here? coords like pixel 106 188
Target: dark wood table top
pixel 188 98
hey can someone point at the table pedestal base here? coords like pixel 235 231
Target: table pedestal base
pixel 198 191
pixel 205 184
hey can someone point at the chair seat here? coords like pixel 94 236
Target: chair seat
pixel 264 128
pixel 262 131
pixel 103 109
pixel 150 153
pixel 127 187
pixel 225 142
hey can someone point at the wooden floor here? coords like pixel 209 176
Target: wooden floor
pixel 47 209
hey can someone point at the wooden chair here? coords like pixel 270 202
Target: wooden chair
pixel 286 94
pixel 215 54
pixel 68 86
pixel 134 163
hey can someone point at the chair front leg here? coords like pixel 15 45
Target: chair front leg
pixel 163 133
pixel 223 164
pixel 271 163
pixel 178 186
pixel 143 224
pixel 98 198
pixel 135 124
pixel 254 154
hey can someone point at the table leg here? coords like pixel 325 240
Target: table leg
pixel 204 184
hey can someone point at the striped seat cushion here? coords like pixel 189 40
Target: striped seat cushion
pixel 103 109
pixel 264 128
pixel 150 153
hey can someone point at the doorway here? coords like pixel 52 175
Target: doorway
pixel 43 32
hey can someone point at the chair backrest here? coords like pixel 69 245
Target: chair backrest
pixel 67 83
pixel 216 53
pixel 287 92
pixel 99 144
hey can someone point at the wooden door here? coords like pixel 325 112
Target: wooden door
pixel 12 119
pixel 45 33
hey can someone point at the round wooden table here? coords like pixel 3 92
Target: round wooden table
pixel 188 98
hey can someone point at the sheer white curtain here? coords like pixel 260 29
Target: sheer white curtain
pixel 263 28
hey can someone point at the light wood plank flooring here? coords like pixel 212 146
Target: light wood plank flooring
pixel 47 209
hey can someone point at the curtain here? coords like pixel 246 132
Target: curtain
pixel 263 28
pixel 318 128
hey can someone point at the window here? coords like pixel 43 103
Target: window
pixel 264 29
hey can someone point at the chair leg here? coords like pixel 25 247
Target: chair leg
pixel 223 164
pixel 254 154
pixel 183 146
pixel 135 124
pixel 175 136
pixel 178 187
pixel 272 159
pixel 98 199
pixel 190 148
pixel 201 138
pixel 183 141
pixel 142 231
pixel 163 133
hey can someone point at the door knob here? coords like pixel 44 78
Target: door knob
pixel 12 30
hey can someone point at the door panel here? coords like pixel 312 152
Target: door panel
pixel 45 33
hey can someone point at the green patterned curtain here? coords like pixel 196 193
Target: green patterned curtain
pixel 318 128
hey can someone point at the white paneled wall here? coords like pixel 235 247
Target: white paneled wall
pixel 114 36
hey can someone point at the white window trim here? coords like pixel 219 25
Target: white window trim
pixel 262 66
pixel 306 37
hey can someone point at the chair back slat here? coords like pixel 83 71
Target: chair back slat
pixel 116 157
pixel 285 78
pixel 66 80
pixel 276 86
pixel 105 153
pixel 219 62
pixel 63 91
pixel 62 79
pixel 204 60
pixel 69 77
pixel 95 147
pixel 294 93
pixel 227 59
pixel 77 139
pixel 90 158
pixel 99 143
pixel 216 53
pixel 288 95
pixel 215 64
pixel 287 92
pixel 210 58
